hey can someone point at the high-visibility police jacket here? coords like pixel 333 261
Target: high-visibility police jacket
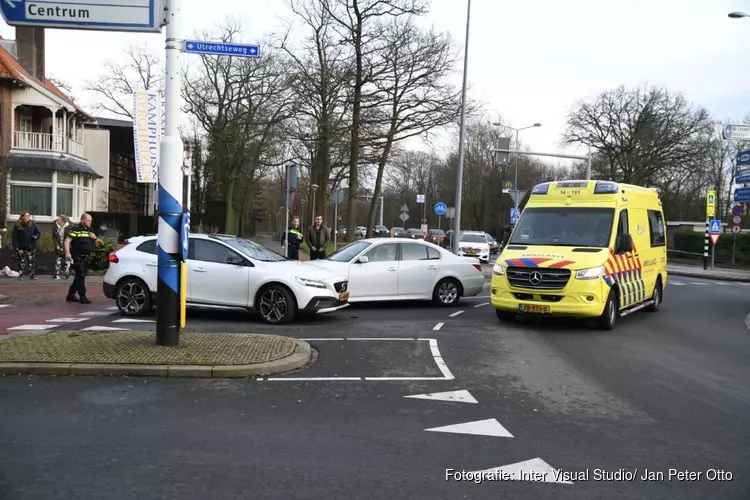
pixel 293 236
pixel 81 240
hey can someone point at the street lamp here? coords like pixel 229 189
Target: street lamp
pixel 314 188
pixel 517 130
pixel 462 130
pixel 738 15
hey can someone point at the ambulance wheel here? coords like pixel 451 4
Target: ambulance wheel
pixel 656 297
pixel 608 319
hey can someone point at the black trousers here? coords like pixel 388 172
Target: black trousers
pixel 293 253
pixel 81 268
pixel 319 254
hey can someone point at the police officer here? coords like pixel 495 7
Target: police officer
pixel 79 242
pixel 294 238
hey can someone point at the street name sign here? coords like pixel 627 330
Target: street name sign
pixel 220 49
pixel 145 16
pixel 440 208
pixel 715 226
pixel 737 132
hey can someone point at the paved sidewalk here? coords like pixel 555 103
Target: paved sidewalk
pixel 717 274
pixel 45 289
pixel 84 352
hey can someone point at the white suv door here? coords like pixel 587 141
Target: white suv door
pixel 212 280
pixel 147 255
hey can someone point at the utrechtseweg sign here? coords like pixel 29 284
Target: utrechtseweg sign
pixel 220 49
pixel 147 16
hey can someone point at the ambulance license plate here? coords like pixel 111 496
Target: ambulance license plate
pixel 343 297
pixel 534 309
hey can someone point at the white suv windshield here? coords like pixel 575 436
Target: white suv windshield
pixel 253 250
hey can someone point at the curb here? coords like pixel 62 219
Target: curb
pixel 689 274
pixel 298 359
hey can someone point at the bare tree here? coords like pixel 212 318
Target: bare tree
pixel 413 92
pixel 356 22
pixel 114 88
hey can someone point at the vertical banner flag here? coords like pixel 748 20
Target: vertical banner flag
pixel 147 133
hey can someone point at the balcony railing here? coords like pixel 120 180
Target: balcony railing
pixel 35 141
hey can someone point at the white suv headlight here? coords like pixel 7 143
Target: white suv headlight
pixel 312 283
pixel 498 270
pixel 591 273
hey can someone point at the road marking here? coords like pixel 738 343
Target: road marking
pixel 66 320
pixel 33 327
pixel 699 283
pixel 406 378
pixel 381 338
pixel 482 304
pixel 535 469
pixel 455 314
pixel 476 297
pixel 722 283
pixel 462 396
pixel 676 283
pixel 96 313
pixel 4 305
pixel 438 326
pixel 133 320
pixel 489 427
pixel 742 283
pixel 104 328
pixel 327 338
pixel 113 308
pixel 439 360
pixel 310 379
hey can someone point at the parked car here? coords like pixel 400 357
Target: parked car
pixel 360 231
pixel 380 232
pixel 398 232
pixel 436 236
pixel 415 234
pixel 493 243
pixel 474 244
pixel 383 270
pixel 226 272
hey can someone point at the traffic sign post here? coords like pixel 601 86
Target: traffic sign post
pixel 404 215
pixel 221 49
pixel 139 16
pixel 337 197
pixel 440 209
pixel 736 227
pixel 710 212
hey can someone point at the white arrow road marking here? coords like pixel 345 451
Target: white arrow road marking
pixel 105 328
pixel 535 469
pixel 133 320
pixel 462 396
pixel 489 427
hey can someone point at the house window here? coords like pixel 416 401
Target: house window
pixel 34 191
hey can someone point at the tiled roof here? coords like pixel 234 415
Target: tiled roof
pixel 11 68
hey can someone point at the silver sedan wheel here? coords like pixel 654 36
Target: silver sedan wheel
pixel 448 292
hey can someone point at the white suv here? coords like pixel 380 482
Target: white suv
pixel 225 272
pixel 474 244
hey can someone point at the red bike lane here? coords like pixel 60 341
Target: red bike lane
pixel 24 316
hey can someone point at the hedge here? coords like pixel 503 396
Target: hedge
pixel 691 241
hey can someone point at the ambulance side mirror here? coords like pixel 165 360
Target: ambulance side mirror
pixel 625 244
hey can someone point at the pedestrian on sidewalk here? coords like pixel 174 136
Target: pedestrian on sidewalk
pixel 293 238
pixel 25 234
pixel 58 236
pixel 79 242
pixel 317 239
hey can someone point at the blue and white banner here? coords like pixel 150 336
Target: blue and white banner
pixel 148 128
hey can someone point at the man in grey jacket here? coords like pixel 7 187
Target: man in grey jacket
pixel 317 239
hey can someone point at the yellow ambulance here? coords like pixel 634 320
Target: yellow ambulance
pixel 589 249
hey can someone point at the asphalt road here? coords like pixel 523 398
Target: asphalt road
pixel 663 391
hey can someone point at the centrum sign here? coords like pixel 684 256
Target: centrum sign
pixel 737 132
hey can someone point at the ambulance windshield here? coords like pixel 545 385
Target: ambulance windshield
pixel 564 226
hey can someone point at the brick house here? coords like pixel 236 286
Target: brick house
pixel 43 165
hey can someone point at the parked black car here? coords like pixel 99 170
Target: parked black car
pixel 415 234
pixel 380 232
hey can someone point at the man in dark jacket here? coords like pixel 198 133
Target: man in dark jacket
pixel 79 242
pixel 293 238
pixel 505 238
pixel 317 239
pixel 25 234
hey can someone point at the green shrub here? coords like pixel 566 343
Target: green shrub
pixel 691 241
pixel 45 243
pixel 100 254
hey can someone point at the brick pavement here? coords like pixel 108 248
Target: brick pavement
pixel 45 289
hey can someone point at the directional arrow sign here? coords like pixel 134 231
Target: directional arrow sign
pixel 404 217
pixel 405 208
pixel 489 427
pixel 146 16
pixel 220 49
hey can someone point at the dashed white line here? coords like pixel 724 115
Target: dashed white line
pixel 406 378
pixel 66 320
pixel 722 283
pixel 327 338
pixel 33 327
pixel 455 314
pixel 311 379
pixel 438 326
pixel 96 313
pixel 699 283
pixel 482 304
pixel 4 305
pixel 381 338
pixel 676 284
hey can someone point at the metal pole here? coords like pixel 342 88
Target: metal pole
pixel 335 225
pixel 713 255
pixel 440 222
pixel 734 247
pixel 312 217
pixel 588 166
pixel 382 203
pixel 170 192
pixel 705 245
pixel 285 229
pixel 462 130
pixel 515 182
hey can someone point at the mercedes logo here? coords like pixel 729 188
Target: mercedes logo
pixel 535 278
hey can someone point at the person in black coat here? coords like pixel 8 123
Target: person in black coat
pixel 25 234
pixel 293 238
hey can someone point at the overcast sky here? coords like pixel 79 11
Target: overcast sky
pixel 530 61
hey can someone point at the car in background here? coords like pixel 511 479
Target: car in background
pixel 474 244
pixel 226 272
pixel 398 232
pixel 436 236
pixel 381 232
pixel 493 243
pixel 415 234
pixel 360 231
pixel 386 270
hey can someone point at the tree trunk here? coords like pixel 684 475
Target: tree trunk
pixel 378 184
pixel 351 222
